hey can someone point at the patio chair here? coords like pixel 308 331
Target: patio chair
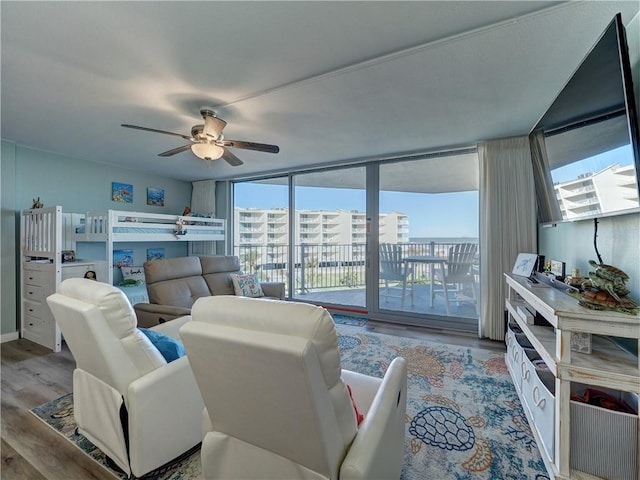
pixel 393 268
pixel 458 276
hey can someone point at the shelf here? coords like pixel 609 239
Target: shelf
pixel 607 366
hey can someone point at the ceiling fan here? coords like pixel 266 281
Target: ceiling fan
pixel 207 141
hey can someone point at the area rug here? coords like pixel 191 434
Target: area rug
pixel 464 419
pixel 341 319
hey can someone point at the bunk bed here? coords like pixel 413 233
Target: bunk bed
pixel 113 226
pixel 47 232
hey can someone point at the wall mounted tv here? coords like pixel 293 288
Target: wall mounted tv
pixel 585 147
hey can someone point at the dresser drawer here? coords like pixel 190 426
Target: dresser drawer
pixel 33 309
pixel 35 293
pixel 35 277
pixel 541 403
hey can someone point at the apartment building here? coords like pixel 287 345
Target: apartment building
pixel 323 236
pixel 610 189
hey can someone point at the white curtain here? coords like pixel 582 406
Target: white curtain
pixel 203 201
pixel 507 223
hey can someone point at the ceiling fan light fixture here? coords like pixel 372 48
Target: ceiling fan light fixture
pixel 207 151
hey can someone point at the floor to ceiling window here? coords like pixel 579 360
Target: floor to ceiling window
pixel 261 227
pixel 422 211
pixel 428 237
pixel 330 236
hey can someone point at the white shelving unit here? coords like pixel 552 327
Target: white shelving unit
pixel 576 441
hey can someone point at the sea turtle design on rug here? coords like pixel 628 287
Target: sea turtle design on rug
pixel 495 365
pixel 443 426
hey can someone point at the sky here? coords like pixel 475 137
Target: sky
pixel 430 215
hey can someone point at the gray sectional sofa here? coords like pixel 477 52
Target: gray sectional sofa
pixel 174 284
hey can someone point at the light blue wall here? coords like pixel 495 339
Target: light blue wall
pixel 77 186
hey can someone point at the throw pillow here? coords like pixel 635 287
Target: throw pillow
pixel 132 275
pixel 170 348
pixel 359 416
pixel 246 285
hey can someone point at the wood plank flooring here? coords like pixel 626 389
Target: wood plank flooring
pixel 32 375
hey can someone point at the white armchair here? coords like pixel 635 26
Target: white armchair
pixel 277 403
pixel 138 409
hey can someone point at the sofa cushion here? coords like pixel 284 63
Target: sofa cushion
pixel 217 273
pixel 175 281
pixel 246 285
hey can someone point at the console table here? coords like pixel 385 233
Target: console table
pixel 576 440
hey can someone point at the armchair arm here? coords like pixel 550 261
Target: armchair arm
pixel 377 452
pixel 165 415
pixel 150 314
pixel 273 289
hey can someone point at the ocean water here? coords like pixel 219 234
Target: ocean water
pixel 444 240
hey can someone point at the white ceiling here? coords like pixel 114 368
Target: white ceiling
pixel 326 81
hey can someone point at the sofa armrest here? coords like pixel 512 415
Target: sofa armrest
pixel 150 314
pixel 377 452
pixel 273 289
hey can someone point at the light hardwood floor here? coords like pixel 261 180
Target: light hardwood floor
pixel 32 375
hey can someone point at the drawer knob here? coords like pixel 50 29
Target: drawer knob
pixel 540 402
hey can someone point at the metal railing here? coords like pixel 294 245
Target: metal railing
pixel 325 267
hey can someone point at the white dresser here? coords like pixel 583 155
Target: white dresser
pixel 576 440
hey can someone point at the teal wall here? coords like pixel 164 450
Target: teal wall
pixel 77 186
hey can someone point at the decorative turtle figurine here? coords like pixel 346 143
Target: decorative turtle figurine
pixel 608 278
pixel 601 300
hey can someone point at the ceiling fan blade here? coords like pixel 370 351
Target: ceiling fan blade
pixel 260 147
pixel 181 149
pixel 186 137
pixel 231 158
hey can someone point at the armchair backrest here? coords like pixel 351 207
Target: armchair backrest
pixel 391 264
pixel 100 328
pixel 270 376
pixel 461 258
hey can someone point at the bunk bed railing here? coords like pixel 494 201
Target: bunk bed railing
pixel 41 230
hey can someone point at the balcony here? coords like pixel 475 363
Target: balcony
pixel 335 275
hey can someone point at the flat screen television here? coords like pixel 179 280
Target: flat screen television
pixel 585 147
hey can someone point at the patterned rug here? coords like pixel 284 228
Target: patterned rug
pixel 464 419
pixel 349 320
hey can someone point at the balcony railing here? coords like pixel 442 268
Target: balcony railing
pixel 325 267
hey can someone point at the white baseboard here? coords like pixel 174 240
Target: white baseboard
pixel 8 337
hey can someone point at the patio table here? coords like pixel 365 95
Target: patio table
pixel 430 260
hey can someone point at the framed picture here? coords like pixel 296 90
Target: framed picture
pixel 68 256
pixel 121 192
pixel 558 269
pixel 123 258
pixel 525 263
pixel 155 196
pixel 155 254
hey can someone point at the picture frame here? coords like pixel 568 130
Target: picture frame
pixel 524 265
pixel 121 192
pixel 123 258
pixel 558 269
pixel 155 196
pixel 155 254
pixel 68 256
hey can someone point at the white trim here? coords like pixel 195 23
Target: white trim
pixel 9 337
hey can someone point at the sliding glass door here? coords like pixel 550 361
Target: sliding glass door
pixel 330 237
pixel 428 237
pixel 397 240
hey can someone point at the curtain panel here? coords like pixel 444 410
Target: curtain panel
pixel 203 201
pixel 507 223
